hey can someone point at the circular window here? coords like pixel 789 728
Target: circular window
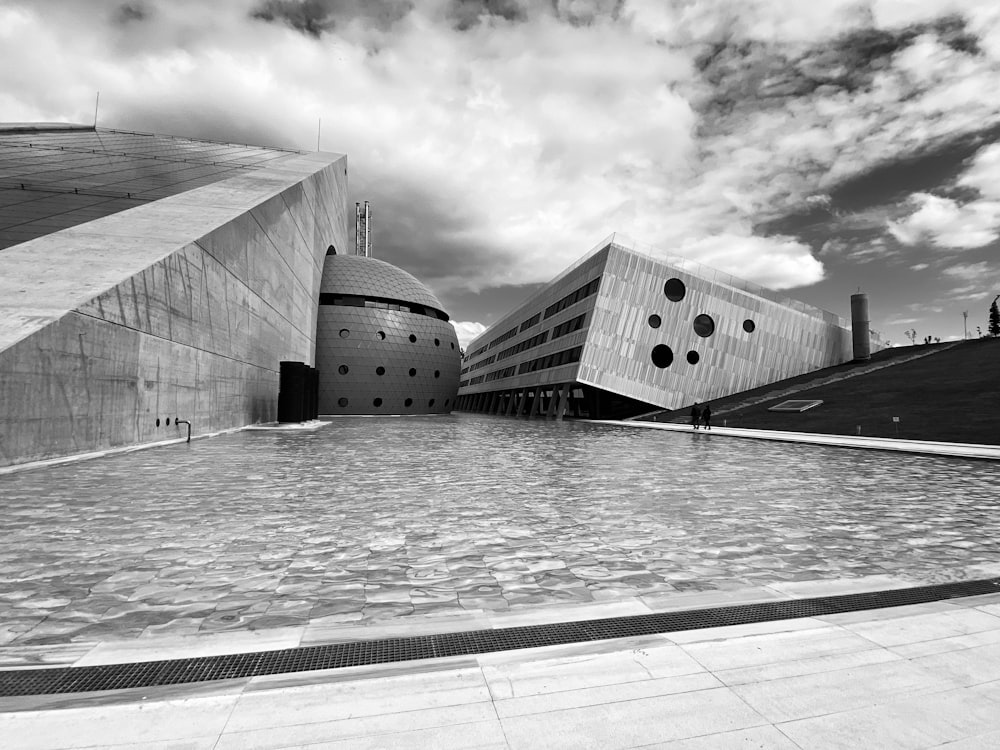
pixel 342 369
pixel 377 402
pixel 408 402
pixel 413 339
pixel 157 421
pixel 749 326
pixel 446 401
pixel 380 370
pixel 413 371
pixel 675 290
pixel 341 401
pixel 380 335
pixel 452 346
pixel 662 356
pixel 168 421
pixel 430 403
pixel 344 333
pixel 693 357
pixel 654 321
pixel 437 373
pixel 437 342
pixel 704 326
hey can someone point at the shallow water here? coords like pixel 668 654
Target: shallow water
pixel 372 518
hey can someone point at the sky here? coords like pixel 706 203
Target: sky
pixel 817 148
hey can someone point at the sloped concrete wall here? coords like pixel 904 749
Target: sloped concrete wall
pixel 181 309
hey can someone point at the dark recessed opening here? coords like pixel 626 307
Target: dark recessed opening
pixel 157 421
pixel 168 421
pixel 380 335
pixel 662 356
pixel 344 333
pixel 749 326
pixel 380 370
pixel 453 345
pixel 413 339
pixel 654 321
pixel 342 369
pixel 675 290
pixel 446 401
pixel 331 250
pixel 693 357
pixel 430 403
pixel 341 401
pixel 413 371
pixel 377 402
pixel 704 326
pixel 408 402
pixel 437 342
pixel 437 373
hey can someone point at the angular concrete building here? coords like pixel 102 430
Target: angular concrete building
pixel 621 333
pixel 383 342
pixel 146 279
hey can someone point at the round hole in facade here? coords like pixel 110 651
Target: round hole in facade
pixel 380 335
pixel 662 356
pixel 749 326
pixel 377 402
pixel 654 321
pixel 693 357
pixel 343 369
pixel 380 370
pixel 437 373
pixel 675 290
pixel 413 371
pixel 413 339
pixel 157 421
pixel 446 401
pixel 704 326
pixel 344 333
pixel 168 421
pixel 437 342
pixel 430 403
pixel 341 401
pixel 408 402
pixel 453 345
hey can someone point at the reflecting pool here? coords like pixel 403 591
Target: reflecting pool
pixel 374 518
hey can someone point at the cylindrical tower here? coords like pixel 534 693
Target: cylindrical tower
pixel 859 327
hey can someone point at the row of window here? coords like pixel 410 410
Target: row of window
pixel 500 374
pixel 565 357
pixel 663 356
pixel 344 402
pixel 380 303
pixel 571 299
pixel 704 325
pixel 484 363
pixel 380 371
pixel 536 340
pixel 530 322
pixel 569 326
pixel 345 333
pixel 504 337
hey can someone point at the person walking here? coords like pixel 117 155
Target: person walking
pixel 695 415
pixel 706 416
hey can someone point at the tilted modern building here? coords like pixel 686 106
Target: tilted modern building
pixel 621 333
pixel 383 342
pixel 146 279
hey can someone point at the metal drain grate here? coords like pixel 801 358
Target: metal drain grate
pixel 48 681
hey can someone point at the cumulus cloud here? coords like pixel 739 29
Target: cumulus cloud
pixel 498 140
pixel 467 331
pixel 949 224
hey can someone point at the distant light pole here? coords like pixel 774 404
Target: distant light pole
pixel 965 325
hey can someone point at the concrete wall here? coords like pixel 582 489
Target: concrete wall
pixel 182 308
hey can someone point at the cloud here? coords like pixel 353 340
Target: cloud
pixel 948 224
pixel 467 331
pixel 498 140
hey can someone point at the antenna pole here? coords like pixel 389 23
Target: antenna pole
pixel 96 105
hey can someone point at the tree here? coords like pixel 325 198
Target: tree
pixel 911 335
pixel 994 327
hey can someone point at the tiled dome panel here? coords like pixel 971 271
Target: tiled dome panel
pixel 369 277
pixel 432 387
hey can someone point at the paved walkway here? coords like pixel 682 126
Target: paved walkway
pixel 920 676
pixel 963 450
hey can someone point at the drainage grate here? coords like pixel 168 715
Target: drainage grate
pixel 47 681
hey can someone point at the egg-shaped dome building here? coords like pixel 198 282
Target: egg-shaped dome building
pixel 383 343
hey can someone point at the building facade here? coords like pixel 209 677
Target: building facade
pixel 383 342
pixel 146 279
pixel 621 333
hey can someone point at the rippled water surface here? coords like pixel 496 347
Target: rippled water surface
pixel 374 518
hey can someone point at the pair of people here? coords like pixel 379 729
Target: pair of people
pixel 701 415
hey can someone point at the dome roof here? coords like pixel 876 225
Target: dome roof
pixel 370 277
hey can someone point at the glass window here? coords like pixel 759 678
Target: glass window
pixel 675 290
pixel 662 356
pixel 704 326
